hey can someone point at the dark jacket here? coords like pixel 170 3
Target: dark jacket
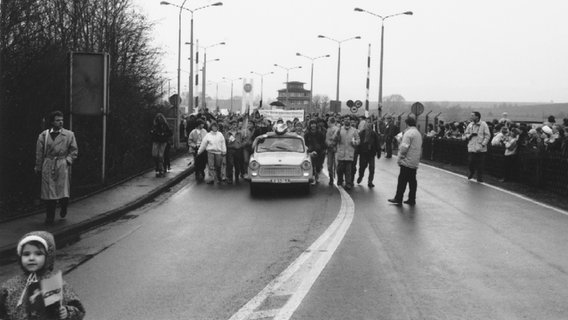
pixel 370 142
pixel 315 141
pixel 161 133
pixel 391 130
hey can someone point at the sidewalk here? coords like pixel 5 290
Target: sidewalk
pixel 97 209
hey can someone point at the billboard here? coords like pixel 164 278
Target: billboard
pixel 88 77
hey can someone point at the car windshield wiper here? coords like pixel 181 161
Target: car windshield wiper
pixel 285 148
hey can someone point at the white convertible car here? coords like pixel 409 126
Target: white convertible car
pixel 280 158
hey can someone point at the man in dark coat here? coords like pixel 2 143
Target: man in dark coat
pixel 390 132
pixel 368 148
pixel 315 141
pixel 381 129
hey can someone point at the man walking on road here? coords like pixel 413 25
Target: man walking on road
pixel 368 148
pixel 348 140
pixel 234 143
pixel 194 141
pixel 56 149
pixel 331 147
pixel 391 131
pixel 477 134
pixel 315 141
pixel 409 153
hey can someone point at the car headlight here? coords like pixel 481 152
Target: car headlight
pixel 306 165
pixel 254 165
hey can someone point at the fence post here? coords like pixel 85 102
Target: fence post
pixel 426 122
pixel 436 119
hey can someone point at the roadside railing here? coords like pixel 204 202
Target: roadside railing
pixel 546 170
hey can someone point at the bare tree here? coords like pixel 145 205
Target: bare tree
pixel 35 38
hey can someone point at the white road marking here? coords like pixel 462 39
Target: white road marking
pixel 296 281
pixel 503 190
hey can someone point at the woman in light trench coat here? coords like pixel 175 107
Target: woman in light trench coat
pixel 56 149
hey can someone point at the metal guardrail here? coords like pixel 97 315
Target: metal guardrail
pixel 547 170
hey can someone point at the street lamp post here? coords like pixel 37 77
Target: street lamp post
pixel 231 80
pixel 338 58
pixel 204 103
pixel 312 74
pixel 382 41
pixel 204 75
pixel 287 74
pixel 261 83
pixel 216 92
pixel 190 102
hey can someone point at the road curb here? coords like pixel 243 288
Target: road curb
pixel 71 233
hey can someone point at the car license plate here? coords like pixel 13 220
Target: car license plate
pixel 280 180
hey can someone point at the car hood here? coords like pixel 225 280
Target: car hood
pixel 280 158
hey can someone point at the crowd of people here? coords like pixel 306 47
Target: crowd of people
pixel 514 138
pixel 223 144
pixel 548 136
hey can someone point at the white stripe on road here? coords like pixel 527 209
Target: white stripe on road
pixel 296 281
pixel 564 212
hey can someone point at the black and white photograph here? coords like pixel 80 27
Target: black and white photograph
pixel 283 160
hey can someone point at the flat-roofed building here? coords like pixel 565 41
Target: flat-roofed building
pixel 296 97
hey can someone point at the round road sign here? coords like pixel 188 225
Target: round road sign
pixel 248 87
pixel 358 103
pixel 417 108
pixel 350 103
pixel 354 109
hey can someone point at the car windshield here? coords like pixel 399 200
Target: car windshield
pixel 280 144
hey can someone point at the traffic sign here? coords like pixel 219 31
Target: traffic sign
pixel 358 103
pixel 417 108
pixel 172 99
pixel 248 87
pixel 354 109
pixel 350 103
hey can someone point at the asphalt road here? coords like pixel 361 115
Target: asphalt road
pixel 465 251
pixel 202 252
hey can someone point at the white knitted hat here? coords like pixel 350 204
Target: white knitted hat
pixel 29 239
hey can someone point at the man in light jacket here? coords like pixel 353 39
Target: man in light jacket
pixel 409 153
pixel 477 134
pixel 214 144
pixel 194 140
pixel 347 141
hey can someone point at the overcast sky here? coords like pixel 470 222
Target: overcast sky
pixel 449 50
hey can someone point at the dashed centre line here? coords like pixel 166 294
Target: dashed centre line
pixel 283 295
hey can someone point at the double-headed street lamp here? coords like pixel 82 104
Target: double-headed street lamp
pixel 338 58
pixel 382 40
pixel 312 75
pixel 231 80
pixel 262 83
pixel 204 80
pixel 190 102
pixel 287 74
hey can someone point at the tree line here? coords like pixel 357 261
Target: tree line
pixel 36 37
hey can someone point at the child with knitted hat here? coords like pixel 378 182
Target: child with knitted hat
pixel 21 296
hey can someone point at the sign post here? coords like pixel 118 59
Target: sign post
pixel 89 91
pixel 417 108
